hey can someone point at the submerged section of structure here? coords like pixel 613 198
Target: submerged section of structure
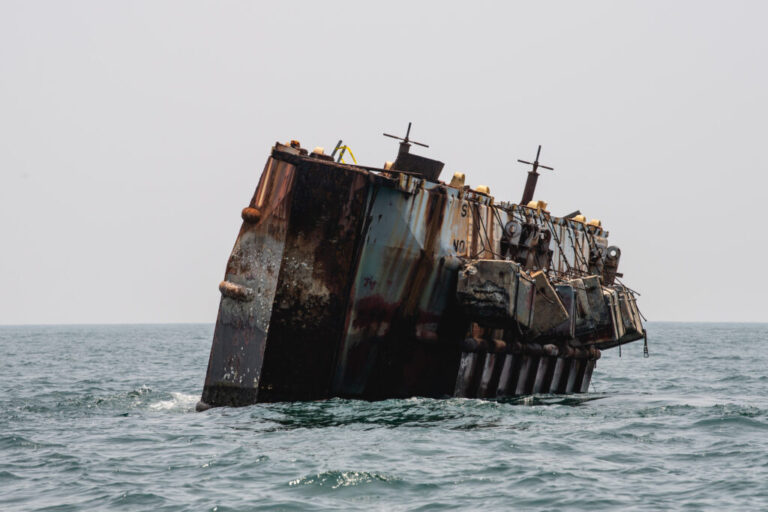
pixel 355 282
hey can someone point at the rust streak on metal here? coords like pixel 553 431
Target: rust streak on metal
pixel 350 281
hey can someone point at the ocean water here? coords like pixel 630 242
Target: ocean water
pixel 102 418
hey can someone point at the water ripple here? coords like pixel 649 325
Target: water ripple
pixel 102 418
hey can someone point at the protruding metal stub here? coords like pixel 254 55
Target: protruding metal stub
pixel 645 345
pixel 406 140
pixel 338 145
pixel 533 176
pixel 236 291
pixel 251 215
pixel 408 162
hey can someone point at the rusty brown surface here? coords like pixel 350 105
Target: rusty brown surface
pixel 404 283
pixel 343 282
pixel 326 220
pixel 240 334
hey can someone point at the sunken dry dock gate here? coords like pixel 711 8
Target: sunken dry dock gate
pixel 375 283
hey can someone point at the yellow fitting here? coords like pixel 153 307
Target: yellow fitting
pixel 458 180
pixel 538 205
pixel 341 157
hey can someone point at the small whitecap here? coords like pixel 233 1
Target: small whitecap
pixel 178 401
pixel 338 479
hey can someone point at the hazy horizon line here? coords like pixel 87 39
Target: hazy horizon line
pixel 115 324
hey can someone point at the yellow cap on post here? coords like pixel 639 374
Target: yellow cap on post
pixel 458 180
pixel 537 205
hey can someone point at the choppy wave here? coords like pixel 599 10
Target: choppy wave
pixel 103 418
pixel 336 479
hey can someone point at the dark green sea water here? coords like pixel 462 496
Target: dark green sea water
pixel 101 418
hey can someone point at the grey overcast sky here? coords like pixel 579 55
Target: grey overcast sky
pixel 132 134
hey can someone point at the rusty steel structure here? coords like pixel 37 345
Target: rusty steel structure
pixel 375 283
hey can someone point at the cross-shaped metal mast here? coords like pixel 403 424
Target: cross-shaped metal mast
pixel 406 142
pixel 533 176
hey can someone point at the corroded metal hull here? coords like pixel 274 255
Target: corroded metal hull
pixel 343 282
